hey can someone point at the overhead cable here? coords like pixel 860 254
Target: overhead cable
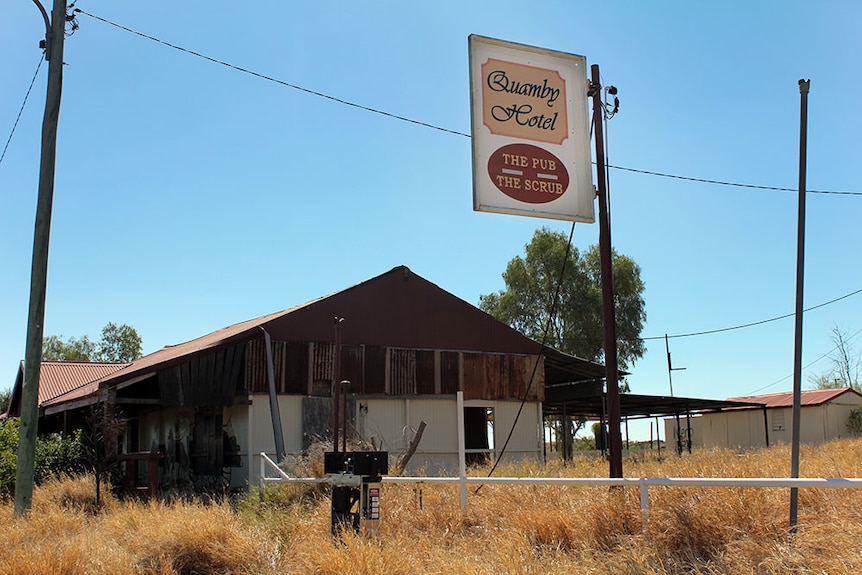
pixel 21 111
pixel 754 323
pixel 271 79
pixel 426 124
pixel 805 367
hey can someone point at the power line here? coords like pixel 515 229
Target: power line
pixel 21 111
pixel 552 311
pixel 426 124
pixel 733 184
pixel 754 323
pixel 809 364
pixel 271 79
pixel 457 133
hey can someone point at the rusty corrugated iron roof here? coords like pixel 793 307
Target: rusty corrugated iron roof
pixel 807 397
pixel 170 353
pixel 395 309
pixel 58 379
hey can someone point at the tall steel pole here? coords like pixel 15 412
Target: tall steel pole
pixel 55 35
pixel 804 85
pixel 615 440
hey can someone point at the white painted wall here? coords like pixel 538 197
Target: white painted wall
pixel 745 428
pixel 260 432
pixel 391 422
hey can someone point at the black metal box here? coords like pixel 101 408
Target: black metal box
pixel 365 463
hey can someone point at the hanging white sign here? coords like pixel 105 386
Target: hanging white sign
pixel 530 131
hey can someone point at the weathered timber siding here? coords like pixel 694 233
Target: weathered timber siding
pixel 207 380
pixel 498 376
pixel 375 370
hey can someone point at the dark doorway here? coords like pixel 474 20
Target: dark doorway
pixel 478 434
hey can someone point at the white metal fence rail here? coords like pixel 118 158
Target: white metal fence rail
pixel 643 483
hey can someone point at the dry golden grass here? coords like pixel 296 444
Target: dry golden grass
pixel 505 529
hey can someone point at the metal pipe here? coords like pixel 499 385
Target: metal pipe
pixel 274 411
pixel 804 85
pixel 345 385
pixel 336 377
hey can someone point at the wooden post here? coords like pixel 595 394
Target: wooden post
pixel 615 443
pixel 26 463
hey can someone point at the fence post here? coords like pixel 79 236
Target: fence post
pixel 462 457
pixel 642 483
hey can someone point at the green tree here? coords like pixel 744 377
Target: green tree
pixel 118 344
pixel 5 398
pixel 577 327
pixel 846 366
pixel 55 349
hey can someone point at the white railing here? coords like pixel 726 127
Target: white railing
pixel 282 477
pixel 643 483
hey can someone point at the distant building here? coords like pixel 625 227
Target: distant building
pixel 824 414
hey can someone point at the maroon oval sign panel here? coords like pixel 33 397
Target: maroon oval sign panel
pixel 528 173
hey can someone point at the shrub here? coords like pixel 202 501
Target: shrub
pixel 55 456
pixel 854 422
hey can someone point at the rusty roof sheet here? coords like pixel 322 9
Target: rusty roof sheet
pixel 398 309
pixel 58 379
pixel 807 398
pixel 149 363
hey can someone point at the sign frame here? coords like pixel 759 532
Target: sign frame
pixel 516 92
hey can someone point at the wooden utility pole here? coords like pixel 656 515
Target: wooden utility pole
pixel 615 440
pixel 55 35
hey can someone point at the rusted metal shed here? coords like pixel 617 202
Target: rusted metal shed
pixel 406 346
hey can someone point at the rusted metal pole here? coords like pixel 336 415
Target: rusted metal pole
pixel 336 386
pixel 615 443
pixel 804 85
pixel 343 387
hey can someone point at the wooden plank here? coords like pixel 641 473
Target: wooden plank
pixel 450 372
pixel 426 374
pixel 375 369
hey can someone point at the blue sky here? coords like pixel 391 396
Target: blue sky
pixel 190 196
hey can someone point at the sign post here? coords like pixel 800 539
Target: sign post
pixel 612 376
pixel 531 157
